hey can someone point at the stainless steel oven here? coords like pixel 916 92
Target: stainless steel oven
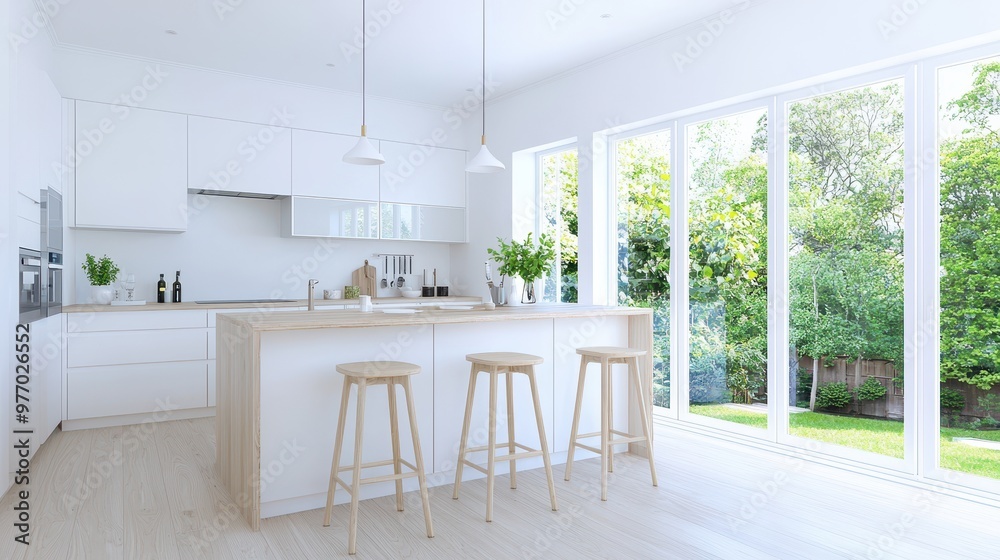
pixel 52 252
pixel 30 286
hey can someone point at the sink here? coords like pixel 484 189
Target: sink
pixel 215 301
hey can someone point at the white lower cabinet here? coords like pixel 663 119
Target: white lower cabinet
pixel 44 396
pixel 159 388
pixel 128 363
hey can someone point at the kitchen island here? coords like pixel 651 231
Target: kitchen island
pixel 278 391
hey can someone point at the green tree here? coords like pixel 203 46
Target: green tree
pixel 970 237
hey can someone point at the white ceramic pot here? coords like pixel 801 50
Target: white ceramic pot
pixel 514 293
pixel 102 295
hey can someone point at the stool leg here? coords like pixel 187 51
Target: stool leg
pixel 418 457
pixel 335 468
pixel 510 429
pixel 611 419
pixel 352 536
pixel 397 467
pixel 491 451
pixel 576 417
pixel 604 428
pixel 541 436
pixel 464 443
pixel 633 366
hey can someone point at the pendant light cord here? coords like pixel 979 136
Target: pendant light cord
pixel 484 68
pixel 364 40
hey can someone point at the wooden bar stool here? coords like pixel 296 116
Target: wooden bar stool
pixel 608 356
pixel 365 374
pixel 496 364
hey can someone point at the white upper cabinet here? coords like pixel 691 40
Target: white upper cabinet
pixel 131 168
pixel 318 168
pixel 50 139
pixel 239 157
pixel 418 174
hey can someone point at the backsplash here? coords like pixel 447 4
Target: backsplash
pixel 233 249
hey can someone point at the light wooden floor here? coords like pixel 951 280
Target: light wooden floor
pixel 151 492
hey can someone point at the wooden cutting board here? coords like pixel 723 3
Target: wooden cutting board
pixel 367 278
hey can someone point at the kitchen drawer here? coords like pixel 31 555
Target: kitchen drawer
pixel 138 347
pixel 136 320
pixel 135 389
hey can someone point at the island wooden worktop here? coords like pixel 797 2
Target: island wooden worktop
pixel 278 390
pixel 352 318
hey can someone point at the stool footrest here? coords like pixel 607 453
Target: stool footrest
pixel 615 441
pixel 498 446
pixel 468 463
pixel 375 479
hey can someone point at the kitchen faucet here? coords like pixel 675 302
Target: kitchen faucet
pixel 312 290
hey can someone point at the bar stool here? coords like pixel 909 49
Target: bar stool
pixel 608 356
pixel 496 364
pixel 365 374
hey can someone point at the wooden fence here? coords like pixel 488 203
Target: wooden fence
pixel 845 370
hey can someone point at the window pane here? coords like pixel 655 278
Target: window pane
pixel 846 267
pixel 558 219
pixel 643 241
pixel 727 190
pixel 969 134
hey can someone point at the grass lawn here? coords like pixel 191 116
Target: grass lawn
pixel 877 436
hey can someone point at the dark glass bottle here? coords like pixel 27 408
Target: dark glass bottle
pixel 161 290
pixel 177 288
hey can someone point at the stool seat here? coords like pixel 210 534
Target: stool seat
pixel 370 370
pixel 610 352
pixel 510 359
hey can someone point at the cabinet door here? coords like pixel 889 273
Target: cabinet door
pixel 136 388
pixel 131 168
pixel 318 168
pixel 418 174
pixel 423 223
pixel 27 132
pixel 50 135
pixel 328 217
pixel 136 347
pixel 239 157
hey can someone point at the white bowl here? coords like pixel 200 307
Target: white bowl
pixel 407 293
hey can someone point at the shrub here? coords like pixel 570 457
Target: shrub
pixel 833 395
pixel 952 399
pixel 870 390
pixel 989 423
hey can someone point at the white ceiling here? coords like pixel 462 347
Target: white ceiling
pixel 429 52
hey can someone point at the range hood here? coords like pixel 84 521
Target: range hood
pixel 231 194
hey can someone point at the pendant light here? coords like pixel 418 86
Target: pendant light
pixel 363 153
pixel 484 162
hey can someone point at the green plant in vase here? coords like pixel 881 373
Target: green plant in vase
pixel 101 273
pixel 525 260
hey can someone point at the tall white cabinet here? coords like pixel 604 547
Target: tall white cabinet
pixel 131 168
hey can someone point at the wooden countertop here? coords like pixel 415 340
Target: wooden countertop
pixel 191 306
pixel 352 318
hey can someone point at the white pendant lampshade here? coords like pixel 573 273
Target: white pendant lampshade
pixel 484 162
pixel 364 152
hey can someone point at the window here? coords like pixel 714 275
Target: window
pixel 845 267
pixel 642 241
pixel 557 218
pixel 727 276
pixel 969 141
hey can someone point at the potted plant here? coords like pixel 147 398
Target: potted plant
pixel 101 273
pixel 525 261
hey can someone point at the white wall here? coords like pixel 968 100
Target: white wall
pixel 232 248
pixel 8 252
pixel 756 51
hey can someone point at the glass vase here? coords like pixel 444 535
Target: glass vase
pixel 528 293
